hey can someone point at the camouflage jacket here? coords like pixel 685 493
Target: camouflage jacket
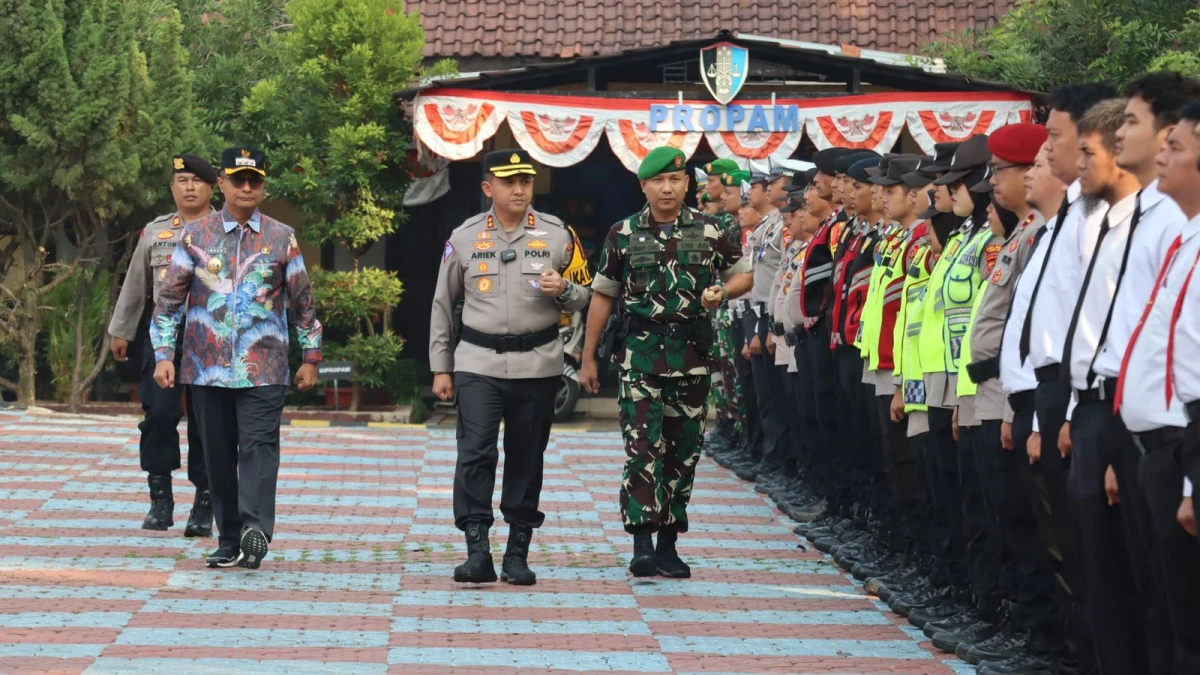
pixel 661 278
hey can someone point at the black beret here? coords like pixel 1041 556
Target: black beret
pixel 194 165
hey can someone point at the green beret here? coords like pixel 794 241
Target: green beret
pixel 663 159
pixel 735 178
pixel 720 167
pixel 704 198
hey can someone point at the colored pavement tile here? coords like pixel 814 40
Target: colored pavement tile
pixel 358 579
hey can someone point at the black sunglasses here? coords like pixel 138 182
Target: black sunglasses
pixel 243 177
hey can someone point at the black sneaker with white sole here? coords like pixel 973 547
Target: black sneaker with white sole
pixel 225 556
pixel 254 548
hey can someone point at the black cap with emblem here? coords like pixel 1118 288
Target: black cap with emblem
pixel 243 158
pixel 943 155
pixel 505 163
pixel 971 156
pixel 197 166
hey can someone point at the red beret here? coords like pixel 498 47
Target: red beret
pixel 1017 143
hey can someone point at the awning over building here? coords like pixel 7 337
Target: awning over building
pixel 562 130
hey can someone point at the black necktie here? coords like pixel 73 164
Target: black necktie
pixel 1083 291
pixel 1112 303
pixel 1025 329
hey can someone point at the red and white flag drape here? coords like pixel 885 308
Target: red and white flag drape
pixel 562 130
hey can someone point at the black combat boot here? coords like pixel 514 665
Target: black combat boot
pixel 162 504
pixel 644 562
pixel 670 565
pixel 478 569
pixel 515 570
pixel 200 520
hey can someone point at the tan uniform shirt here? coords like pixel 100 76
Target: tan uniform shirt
pixel 766 257
pixel 988 327
pixel 147 268
pixel 502 298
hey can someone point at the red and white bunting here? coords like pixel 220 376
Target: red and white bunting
pixel 562 130
pixel 631 139
pixel 956 122
pixel 456 128
pixel 754 145
pixel 556 137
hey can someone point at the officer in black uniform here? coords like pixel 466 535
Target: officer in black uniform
pixel 191 186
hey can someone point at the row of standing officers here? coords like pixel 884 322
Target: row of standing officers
pixel 971 377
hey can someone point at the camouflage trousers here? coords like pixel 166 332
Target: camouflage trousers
pixel 662 421
pixel 726 397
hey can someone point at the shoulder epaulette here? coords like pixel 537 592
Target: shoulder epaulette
pixel 550 219
pixel 475 219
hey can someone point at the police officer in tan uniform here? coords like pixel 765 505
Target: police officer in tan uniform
pixel 510 266
pixel 191 187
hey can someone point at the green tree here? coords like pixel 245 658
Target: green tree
pixel 94 99
pixel 337 141
pixel 1042 44
pixel 229 45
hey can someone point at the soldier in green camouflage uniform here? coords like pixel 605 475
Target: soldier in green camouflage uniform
pixel 726 391
pixel 668 266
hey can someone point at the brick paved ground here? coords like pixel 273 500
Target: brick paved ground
pixel 358 579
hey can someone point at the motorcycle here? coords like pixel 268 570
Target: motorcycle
pixel 570 331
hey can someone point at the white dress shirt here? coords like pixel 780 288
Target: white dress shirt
pixel 1161 222
pixel 1052 308
pixel 1144 402
pixel 1097 298
pixel 1184 338
pixel 1016 377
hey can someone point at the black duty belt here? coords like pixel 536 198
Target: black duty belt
pixel 982 371
pixel 1022 400
pixel 1104 391
pixel 1149 441
pixel 510 343
pixel 1192 410
pixel 639 324
pixel 1047 373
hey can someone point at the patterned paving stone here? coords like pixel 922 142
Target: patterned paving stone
pixel 359 575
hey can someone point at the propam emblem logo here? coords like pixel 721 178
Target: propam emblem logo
pixel 724 68
pixel 484 285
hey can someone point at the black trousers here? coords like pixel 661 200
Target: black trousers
pixel 983 549
pixel 765 389
pixel 1051 399
pixel 1120 642
pixel 1149 589
pixel 903 472
pixel 240 432
pixel 789 405
pixel 820 372
pixel 941 450
pixel 751 422
pixel 854 429
pixel 1037 594
pixel 527 409
pixel 1161 472
pixel 158 447
pixel 811 459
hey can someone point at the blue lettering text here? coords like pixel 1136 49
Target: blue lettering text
pixel 658 115
pixel 710 118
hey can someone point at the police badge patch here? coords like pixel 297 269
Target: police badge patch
pixel 447 252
